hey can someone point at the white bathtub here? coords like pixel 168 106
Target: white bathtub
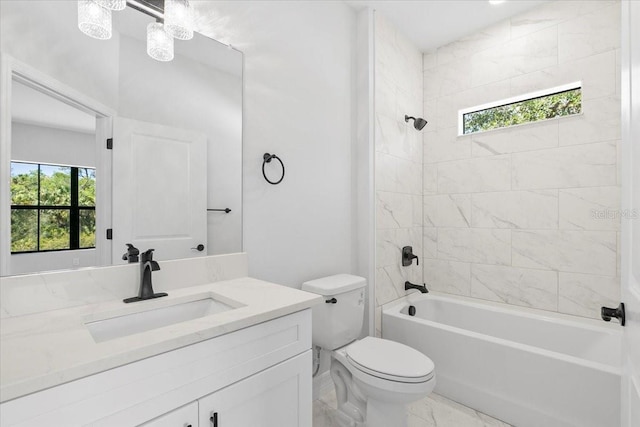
pixel 526 367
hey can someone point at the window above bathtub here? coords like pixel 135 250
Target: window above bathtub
pixel 546 104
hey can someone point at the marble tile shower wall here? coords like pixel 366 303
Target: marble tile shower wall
pixel 398 157
pixel 526 215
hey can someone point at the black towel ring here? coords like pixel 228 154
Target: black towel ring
pixel 267 159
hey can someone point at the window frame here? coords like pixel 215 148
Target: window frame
pixel 73 208
pixel 515 99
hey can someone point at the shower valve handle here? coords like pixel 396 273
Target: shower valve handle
pixel 408 256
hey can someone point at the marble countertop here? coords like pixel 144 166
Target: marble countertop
pixel 46 349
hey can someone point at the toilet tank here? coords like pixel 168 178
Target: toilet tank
pixel 338 323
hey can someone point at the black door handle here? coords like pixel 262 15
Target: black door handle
pixel 199 248
pixel 214 419
pixel 618 312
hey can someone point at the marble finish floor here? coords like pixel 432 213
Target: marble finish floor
pixel 432 411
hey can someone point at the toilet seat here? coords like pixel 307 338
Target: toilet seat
pixel 389 360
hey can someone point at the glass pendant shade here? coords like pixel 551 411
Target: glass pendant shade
pixel 94 20
pixel 178 19
pixel 159 42
pixel 112 4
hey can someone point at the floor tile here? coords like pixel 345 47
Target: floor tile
pixel 432 411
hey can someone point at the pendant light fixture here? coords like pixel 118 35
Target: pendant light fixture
pixel 174 19
pixel 94 20
pixel 159 42
pixel 178 19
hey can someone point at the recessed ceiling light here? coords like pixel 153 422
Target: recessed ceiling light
pixel 496 1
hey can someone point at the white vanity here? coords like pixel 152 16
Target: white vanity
pixel 232 351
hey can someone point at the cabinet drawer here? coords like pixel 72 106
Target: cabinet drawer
pixel 187 416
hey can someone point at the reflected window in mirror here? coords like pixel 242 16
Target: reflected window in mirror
pixel 53 207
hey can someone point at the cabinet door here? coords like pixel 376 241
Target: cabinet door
pixel 186 416
pixel 276 397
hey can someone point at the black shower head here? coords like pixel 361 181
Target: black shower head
pixel 418 122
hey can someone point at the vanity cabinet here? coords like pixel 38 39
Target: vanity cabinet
pixel 271 398
pixel 268 399
pixel 259 376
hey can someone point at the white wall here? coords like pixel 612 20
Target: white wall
pixel 39 144
pixel 508 214
pixel 49 261
pixel 297 104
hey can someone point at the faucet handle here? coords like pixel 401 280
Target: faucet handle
pixel 132 254
pixel 147 255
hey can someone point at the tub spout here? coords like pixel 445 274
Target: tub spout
pixel 422 288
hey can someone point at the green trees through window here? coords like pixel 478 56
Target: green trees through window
pixel 530 110
pixel 52 207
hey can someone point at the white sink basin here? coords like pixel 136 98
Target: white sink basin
pixel 128 324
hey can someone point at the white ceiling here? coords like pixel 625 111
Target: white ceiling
pixel 433 23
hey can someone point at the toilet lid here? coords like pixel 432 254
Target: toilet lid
pixel 390 360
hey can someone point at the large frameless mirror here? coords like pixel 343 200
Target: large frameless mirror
pixel 103 145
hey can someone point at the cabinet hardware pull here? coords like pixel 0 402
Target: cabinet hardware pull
pixel 214 419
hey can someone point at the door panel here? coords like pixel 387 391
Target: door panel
pixel 159 189
pixel 630 233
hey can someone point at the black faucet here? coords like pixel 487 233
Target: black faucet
pixel 147 265
pixel 132 254
pixel 422 288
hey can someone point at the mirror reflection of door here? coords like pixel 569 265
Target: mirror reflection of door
pixel 159 190
pixel 53 183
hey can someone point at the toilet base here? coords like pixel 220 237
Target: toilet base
pixel 382 414
pixel 359 404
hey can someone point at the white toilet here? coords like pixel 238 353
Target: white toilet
pixel 374 378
